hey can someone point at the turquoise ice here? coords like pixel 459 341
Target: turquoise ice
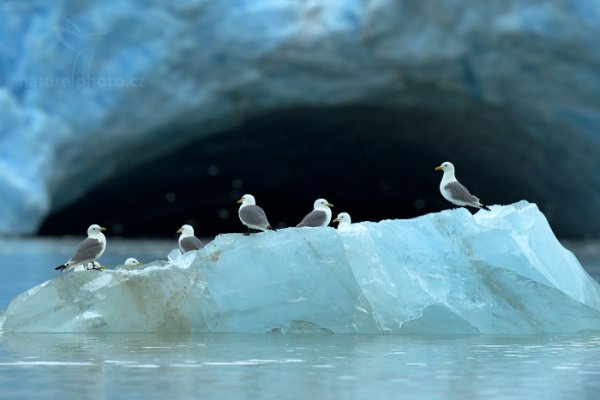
pixel 74 73
pixel 498 272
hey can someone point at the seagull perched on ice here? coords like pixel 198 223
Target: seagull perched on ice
pixel 252 215
pixel 187 240
pixel 132 262
pixel 343 219
pixel 89 250
pixel 454 191
pixel 319 216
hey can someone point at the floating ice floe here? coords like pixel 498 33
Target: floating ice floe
pixel 498 272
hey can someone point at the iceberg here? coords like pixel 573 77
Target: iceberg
pixel 74 72
pixel 498 272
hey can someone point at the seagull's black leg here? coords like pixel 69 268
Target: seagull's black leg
pixel 96 268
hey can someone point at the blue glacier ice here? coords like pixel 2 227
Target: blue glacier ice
pixel 498 272
pixel 137 80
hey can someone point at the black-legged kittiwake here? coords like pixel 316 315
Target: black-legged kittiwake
pixel 454 191
pixel 132 262
pixel 187 240
pixel 252 215
pixel 88 250
pixel 343 219
pixel 319 216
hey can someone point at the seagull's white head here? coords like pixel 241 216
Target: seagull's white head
pixel 95 229
pixel 321 204
pixel 247 200
pixel 133 261
pixel 446 166
pixel 186 230
pixel 343 219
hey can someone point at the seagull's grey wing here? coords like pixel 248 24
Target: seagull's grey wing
pixel 190 243
pixel 314 218
pixel 254 215
pixel 87 250
pixel 460 193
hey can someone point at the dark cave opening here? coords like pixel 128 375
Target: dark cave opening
pixel 373 162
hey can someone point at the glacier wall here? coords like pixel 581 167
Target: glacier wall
pixel 90 90
pixel 498 272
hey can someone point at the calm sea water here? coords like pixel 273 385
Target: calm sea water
pixel 223 366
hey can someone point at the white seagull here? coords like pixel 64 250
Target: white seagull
pixel 319 216
pixel 187 240
pixel 454 191
pixel 252 215
pixel 343 219
pixel 132 262
pixel 88 250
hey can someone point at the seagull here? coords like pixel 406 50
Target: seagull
pixel 187 240
pixel 89 249
pixel 343 219
pixel 132 262
pixel 252 215
pixel 319 216
pixel 454 191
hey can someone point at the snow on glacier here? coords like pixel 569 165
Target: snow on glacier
pixel 498 272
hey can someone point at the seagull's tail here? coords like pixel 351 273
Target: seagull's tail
pixel 61 267
pixel 485 207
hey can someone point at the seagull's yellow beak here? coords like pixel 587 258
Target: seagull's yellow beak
pixel 336 220
pixel 179 231
pixel 439 168
pixel 102 229
pixel 329 205
pixel 240 201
